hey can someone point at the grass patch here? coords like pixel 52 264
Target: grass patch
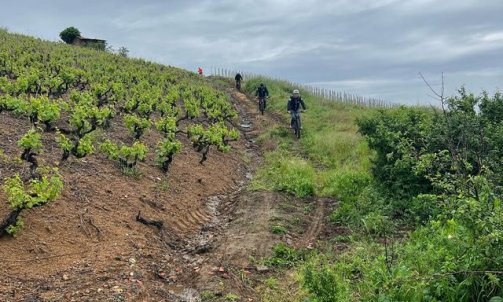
pixel 232 297
pixel 271 282
pixel 347 185
pixel 207 295
pixel 162 185
pixel 284 256
pixel 134 172
pixel 278 230
pixel 282 172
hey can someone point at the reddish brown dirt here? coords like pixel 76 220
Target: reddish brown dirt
pixel 88 241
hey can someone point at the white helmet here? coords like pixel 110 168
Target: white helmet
pixel 296 91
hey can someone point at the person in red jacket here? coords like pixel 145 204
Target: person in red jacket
pixel 200 71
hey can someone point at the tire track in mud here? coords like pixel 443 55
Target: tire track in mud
pixel 317 223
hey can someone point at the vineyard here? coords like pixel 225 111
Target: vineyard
pixel 73 96
pixel 126 180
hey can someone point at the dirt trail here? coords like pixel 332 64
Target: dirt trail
pixel 246 217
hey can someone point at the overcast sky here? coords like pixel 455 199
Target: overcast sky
pixel 370 47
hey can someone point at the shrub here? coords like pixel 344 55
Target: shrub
pixel 126 156
pixel 218 135
pixel 165 152
pixel 136 125
pixel 21 196
pixel 123 52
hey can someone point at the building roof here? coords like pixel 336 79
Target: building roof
pixel 90 40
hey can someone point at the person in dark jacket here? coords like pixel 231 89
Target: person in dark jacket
pixel 294 104
pixel 262 93
pixel 238 79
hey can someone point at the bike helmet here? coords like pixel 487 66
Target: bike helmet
pixel 296 91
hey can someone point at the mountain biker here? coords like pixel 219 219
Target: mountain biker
pixel 238 79
pixel 262 93
pixel 294 104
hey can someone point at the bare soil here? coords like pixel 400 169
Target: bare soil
pixel 88 246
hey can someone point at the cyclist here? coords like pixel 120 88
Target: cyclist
pixel 294 104
pixel 238 79
pixel 262 93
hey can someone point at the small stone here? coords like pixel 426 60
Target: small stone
pixel 132 260
pixel 65 277
pixel 117 289
pixel 262 268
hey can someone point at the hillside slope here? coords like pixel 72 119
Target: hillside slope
pixel 89 236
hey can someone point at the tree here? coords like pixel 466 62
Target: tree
pixel 69 35
pixel 123 52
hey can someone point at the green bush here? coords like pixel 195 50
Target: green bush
pixel 398 136
pixel 69 34
pixel 126 156
pixel 454 258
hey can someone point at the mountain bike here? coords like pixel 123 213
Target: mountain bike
pixel 296 125
pixel 238 85
pixel 261 105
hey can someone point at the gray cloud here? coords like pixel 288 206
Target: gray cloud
pixel 371 47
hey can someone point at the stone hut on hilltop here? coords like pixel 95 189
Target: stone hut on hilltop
pixel 92 43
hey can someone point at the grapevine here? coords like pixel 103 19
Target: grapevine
pixel 73 96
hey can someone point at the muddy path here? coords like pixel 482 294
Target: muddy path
pixel 243 236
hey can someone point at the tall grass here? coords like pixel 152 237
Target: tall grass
pixel 332 156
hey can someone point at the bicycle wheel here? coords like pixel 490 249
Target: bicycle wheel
pixel 297 125
pixel 261 106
